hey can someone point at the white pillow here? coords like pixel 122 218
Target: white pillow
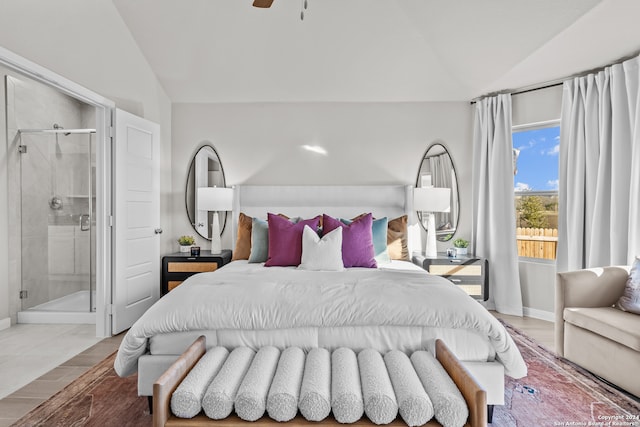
pixel 321 253
pixel 630 299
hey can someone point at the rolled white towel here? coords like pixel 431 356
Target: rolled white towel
pixel 186 400
pixel 315 392
pixel 450 408
pixel 218 400
pixel 380 403
pixel 282 401
pixel 346 392
pixel 251 399
pixel 414 405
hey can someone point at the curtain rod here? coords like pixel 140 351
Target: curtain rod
pixel 556 82
pixel 526 89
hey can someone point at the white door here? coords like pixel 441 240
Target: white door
pixel 136 221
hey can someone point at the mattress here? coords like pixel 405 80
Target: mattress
pixel 467 345
pixel 397 306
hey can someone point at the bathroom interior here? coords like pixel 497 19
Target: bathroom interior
pixel 52 202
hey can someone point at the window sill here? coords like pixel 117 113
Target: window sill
pixel 537 260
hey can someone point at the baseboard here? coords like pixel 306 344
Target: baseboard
pixel 5 323
pixel 539 314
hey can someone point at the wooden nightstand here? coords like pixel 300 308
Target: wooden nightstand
pixel 469 272
pixel 178 266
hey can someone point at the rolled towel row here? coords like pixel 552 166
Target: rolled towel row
pixel 282 401
pixel 186 400
pixel 414 405
pixel 346 391
pixel 380 403
pixel 251 400
pixel 315 392
pixel 218 400
pixel 451 410
pixel 350 385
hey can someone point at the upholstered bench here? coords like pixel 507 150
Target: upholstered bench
pixel 171 385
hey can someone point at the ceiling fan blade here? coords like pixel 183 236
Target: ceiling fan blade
pixel 262 3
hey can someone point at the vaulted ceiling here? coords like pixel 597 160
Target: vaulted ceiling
pixel 374 50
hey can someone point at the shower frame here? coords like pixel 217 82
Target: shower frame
pixel 32 315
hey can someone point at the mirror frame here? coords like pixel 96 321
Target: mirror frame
pixel 435 143
pixel 189 193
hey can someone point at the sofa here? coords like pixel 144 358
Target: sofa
pixel 591 332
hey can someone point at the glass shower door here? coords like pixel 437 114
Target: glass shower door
pixel 57 211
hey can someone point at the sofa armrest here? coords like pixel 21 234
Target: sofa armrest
pixel 593 287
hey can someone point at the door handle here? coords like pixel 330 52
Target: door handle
pixel 84 222
pixel 158 230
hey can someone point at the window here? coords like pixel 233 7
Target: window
pixel 535 180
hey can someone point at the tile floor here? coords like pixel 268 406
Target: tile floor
pixel 38 360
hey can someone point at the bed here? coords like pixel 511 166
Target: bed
pixel 395 306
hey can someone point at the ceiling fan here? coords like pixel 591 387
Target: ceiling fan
pixel 262 3
pixel 265 4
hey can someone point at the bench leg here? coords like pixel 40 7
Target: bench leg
pixel 489 413
pixel 150 400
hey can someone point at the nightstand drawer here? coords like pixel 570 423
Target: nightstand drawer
pixel 455 270
pixel 171 284
pixel 178 267
pixel 467 272
pixel 191 267
pixel 474 290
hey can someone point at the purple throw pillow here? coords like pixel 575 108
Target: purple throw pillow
pixel 285 240
pixel 357 240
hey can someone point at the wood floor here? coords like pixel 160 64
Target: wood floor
pixel 20 402
pixel 539 330
pixel 46 358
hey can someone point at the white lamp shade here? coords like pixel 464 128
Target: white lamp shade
pixel 432 199
pixel 214 199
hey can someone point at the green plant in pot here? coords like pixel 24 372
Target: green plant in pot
pixel 461 246
pixel 186 242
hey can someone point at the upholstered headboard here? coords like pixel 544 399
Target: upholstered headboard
pixel 391 201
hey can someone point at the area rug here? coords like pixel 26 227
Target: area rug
pixel 557 392
pixel 554 393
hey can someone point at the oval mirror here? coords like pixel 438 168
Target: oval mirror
pixel 436 170
pixel 205 171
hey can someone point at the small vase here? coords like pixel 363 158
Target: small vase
pixel 461 251
pixel 185 248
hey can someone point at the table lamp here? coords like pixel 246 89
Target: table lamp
pixel 429 200
pixel 215 199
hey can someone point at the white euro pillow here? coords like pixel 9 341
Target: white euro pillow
pixel 321 253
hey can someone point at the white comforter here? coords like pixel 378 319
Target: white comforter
pixel 252 297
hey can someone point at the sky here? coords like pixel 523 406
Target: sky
pixel 537 162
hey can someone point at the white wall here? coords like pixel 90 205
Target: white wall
pixel 367 143
pixel 537 281
pixel 87 43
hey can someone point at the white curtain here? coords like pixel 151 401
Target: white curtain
pixel 494 226
pixel 599 212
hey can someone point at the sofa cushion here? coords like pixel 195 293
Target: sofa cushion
pixel 608 322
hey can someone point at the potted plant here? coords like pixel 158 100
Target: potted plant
pixel 461 246
pixel 186 242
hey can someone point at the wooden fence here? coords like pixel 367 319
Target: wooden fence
pixel 537 242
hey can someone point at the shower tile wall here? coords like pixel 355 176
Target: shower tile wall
pixel 31 105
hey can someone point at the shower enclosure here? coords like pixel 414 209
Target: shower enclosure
pixel 57 204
